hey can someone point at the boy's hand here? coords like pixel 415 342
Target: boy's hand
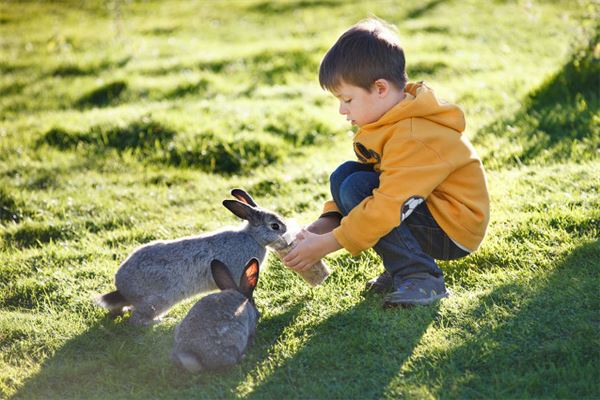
pixel 310 249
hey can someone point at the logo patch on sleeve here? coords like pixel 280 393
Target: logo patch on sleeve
pixel 409 206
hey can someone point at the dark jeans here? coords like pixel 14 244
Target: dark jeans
pixel 413 245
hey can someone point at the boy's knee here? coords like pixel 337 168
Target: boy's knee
pixel 341 172
pixel 338 176
pixel 356 187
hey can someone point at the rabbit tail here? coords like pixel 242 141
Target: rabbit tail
pixel 113 301
pixel 189 361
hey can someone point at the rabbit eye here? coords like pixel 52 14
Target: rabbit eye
pixel 275 227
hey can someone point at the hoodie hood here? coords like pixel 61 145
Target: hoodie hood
pixel 421 102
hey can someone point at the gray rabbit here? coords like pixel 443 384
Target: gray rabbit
pixel 160 274
pixel 219 327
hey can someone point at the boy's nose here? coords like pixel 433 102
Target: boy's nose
pixel 343 110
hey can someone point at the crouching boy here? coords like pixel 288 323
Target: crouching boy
pixel 418 190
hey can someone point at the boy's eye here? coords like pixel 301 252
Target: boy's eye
pixel 347 101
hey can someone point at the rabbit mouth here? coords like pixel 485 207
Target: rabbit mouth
pixel 279 243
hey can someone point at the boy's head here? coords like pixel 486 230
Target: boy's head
pixel 368 51
pixel 365 70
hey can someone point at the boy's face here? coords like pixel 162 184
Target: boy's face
pixel 360 106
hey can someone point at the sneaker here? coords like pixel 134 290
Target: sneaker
pixel 416 289
pixel 381 284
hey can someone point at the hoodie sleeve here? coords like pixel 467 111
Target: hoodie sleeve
pixel 410 171
pixel 329 207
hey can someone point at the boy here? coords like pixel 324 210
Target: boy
pixel 419 191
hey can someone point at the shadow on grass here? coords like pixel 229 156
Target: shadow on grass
pixel 526 339
pixel 353 354
pixel 114 360
pixel 104 95
pixel 154 142
pixel 423 9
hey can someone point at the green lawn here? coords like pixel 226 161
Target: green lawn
pixel 123 122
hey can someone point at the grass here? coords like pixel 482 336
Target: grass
pixel 558 121
pixel 125 122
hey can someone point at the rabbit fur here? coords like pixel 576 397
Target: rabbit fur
pixel 219 327
pixel 160 274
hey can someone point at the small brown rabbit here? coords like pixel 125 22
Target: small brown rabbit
pixel 219 327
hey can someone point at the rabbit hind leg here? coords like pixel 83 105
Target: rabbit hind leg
pixel 147 313
pixel 139 319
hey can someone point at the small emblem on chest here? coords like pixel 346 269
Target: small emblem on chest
pixel 366 155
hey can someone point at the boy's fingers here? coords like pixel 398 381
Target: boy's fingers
pixel 301 267
pixel 290 256
pixel 296 264
pixel 292 260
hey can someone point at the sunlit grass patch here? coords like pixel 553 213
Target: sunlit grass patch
pixel 238 153
pixel 30 234
pixel 239 144
pixel 140 134
pixel 559 121
pixel 299 129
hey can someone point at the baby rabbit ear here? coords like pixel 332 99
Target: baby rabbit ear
pixel 249 278
pixel 222 276
pixel 244 197
pixel 240 209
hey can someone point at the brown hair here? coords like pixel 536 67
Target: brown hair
pixel 368 51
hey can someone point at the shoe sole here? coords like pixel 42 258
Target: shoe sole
pixel 390 302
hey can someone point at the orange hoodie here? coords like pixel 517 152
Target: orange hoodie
pixel 418 148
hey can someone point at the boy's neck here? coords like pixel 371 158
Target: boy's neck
pixel 394 97
pixel 401 95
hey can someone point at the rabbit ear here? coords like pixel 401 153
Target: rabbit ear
pixel 240 209
pixel 222 276
pixel 244 197
pixel 249 278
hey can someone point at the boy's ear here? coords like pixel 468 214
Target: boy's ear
pixel 382 87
